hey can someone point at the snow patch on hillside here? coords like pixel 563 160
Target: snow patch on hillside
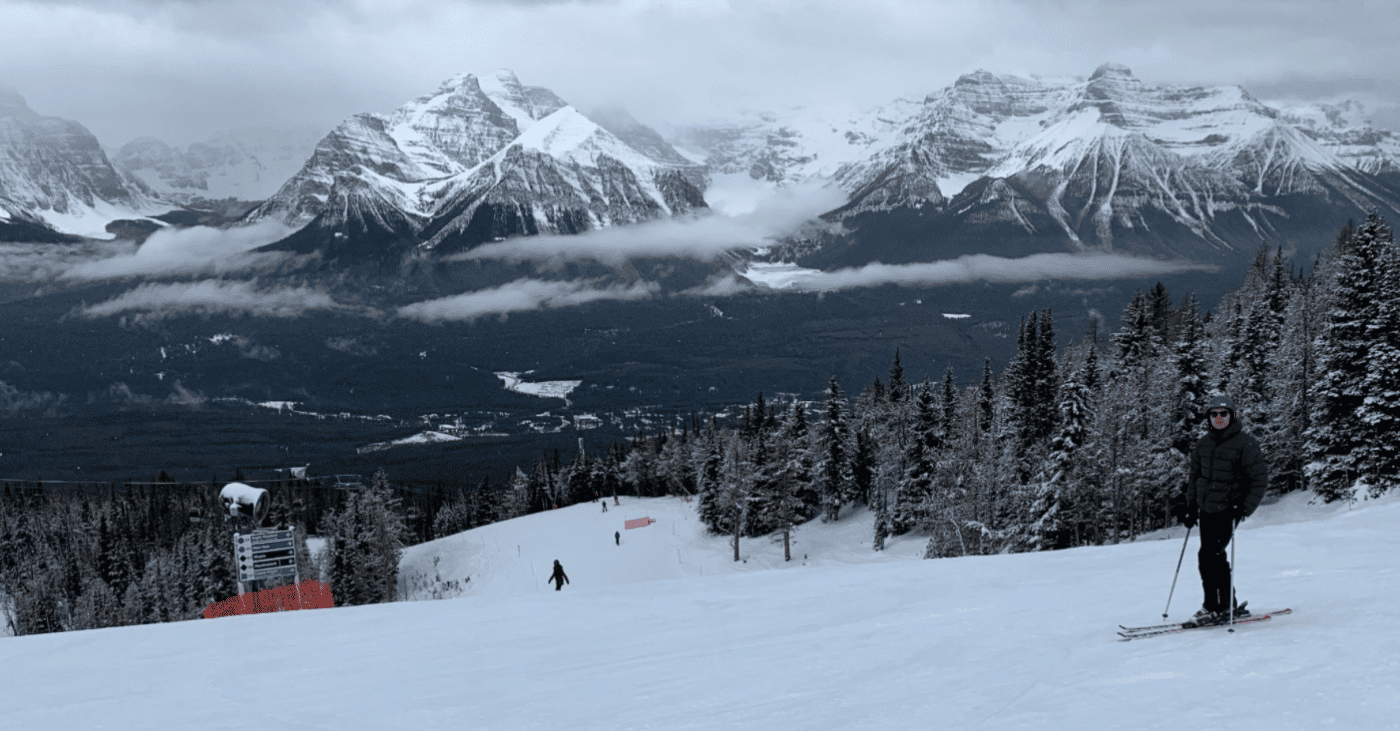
pixel 543 389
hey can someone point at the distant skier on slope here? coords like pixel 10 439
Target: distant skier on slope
pixel 558 577
pixel 1228 479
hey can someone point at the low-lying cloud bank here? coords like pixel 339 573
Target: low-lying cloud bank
pixel 20 262
pixel 189 251
pixel 213 296
pixel 14 401
pixel 973 268
pixel 701 238
pixel 523 295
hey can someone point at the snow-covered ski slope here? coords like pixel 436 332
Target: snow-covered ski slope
pixel 664 632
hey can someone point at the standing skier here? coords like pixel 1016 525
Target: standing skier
pixel 1228 480
pixel 558 577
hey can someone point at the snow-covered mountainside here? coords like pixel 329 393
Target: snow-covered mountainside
pixel 477 160
pixel 55 179
pixel 247 164
pixel 1070 164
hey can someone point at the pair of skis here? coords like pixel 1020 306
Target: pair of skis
pixel 1136 633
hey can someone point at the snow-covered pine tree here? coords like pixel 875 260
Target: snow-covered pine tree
pixel 709 507
pixel 915 499
pixel 986 400
pixel 833 469
pixel 1188 359
pixel 793 474
pixel 1295 383
pixel 1379 412
pixel 1337 439
pixel 898 387
pixel 1051 512
pixel 948 407
pixel 863 467
pixel 1031 382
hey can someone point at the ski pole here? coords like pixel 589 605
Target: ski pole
pixel 1178 573
pixel 1231 609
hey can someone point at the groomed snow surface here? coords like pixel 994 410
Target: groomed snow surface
pixel 666 632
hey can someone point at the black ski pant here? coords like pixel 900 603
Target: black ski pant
pixel 1216 531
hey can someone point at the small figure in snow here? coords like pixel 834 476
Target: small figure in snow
pixel 1228 479
pixel 558 577
pixel 617 537
pixel 605 506
pixel 615 502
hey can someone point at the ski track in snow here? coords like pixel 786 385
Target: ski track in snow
pixel 666 632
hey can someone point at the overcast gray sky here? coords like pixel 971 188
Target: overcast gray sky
pixel 183 69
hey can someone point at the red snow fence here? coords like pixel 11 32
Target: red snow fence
pixel 639 523
pixel 309 594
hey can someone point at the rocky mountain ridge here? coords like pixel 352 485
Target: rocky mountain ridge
pixel 991 164
pixel 1104 162
pixel 477 160
pixel 246 164
pixel 56 180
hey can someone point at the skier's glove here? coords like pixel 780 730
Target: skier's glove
pixel 1189 519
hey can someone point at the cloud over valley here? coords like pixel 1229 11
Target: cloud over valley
pixel 523 295
pixel 214 297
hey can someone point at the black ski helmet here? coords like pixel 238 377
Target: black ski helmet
pixel 1221 402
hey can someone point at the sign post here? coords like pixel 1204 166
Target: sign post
pixel 265 554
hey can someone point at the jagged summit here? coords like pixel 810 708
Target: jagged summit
pixel 55 179
pixel 1109 161
pixel 479 159
pixel 1111 69
pixel 12 105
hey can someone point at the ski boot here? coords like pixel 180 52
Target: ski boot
pixel 1205 617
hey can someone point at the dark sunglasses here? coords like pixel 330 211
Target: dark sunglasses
pixel 1218 413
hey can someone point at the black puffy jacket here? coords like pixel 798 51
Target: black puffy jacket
pixel 1227 471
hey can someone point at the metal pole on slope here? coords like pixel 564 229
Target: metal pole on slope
pixel 1234 526
pixel 1178 573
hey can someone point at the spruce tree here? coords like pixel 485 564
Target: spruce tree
pixel 1379 412
pixel 863 467
pixel 365 544
pixel 1337 441
pixel 898 388
pixel 914 503
pixel 834 467
pixel 1050 511
pixel 1188 356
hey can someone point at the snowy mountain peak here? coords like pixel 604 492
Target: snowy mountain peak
pixel 13 105
pixel 1112 69
pixel 526 104
pixel 559 133
pixel 54 177
pixel 452 129
pixel 481 158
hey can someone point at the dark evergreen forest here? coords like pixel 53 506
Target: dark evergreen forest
pixel 1076 444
